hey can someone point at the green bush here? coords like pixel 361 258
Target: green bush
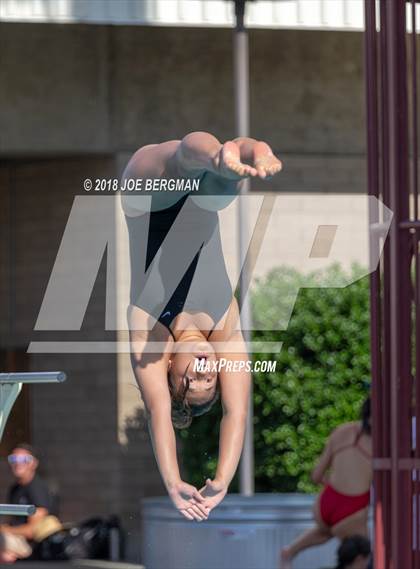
pixel 321 379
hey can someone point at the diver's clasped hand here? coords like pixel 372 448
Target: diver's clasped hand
pixel 214 491
pixel 197 505
pixel 212 494
pixel 188 501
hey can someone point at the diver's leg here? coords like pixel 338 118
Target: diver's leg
pixel 195 155
pixel 312 537
pixel 150 160
pixel 259 155
pixel 315 536
pixel 201 152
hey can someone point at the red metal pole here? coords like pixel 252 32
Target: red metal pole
pixel 416 483
pixel 385 396
pixel 400 287
pixel 371 71
pixel 392 294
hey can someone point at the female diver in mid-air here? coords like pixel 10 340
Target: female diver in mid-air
pixel 185 304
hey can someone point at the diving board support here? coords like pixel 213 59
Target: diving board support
pixel 10 387
pixel 13 510
pixel 8 394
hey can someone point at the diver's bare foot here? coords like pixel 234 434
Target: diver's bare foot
pixel 265 163
pixel 285 559
pixel 228 163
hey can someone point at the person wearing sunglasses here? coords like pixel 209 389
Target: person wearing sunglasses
pixel 29 488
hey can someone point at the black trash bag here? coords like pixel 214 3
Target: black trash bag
pixel 87 540
pixel 50 548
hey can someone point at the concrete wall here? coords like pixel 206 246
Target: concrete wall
pixel 80 88
pixel 73 423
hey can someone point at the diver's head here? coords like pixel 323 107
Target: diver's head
pixel 193 381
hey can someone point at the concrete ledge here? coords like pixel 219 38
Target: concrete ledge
pixel 81 564
pixel 95 564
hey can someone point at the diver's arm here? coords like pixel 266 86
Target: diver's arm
pixel 151 374
pixel 164 446
pixel 235 390
pixel 151 378
pixel 318 475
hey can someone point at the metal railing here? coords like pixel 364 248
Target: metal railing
pixel 10 387
pixel 391 80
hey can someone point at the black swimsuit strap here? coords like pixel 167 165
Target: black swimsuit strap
pixel 360 448
pixel 210 333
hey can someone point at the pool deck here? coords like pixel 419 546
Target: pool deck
pixel 82 564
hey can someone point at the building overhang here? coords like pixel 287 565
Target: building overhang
pixel 286 14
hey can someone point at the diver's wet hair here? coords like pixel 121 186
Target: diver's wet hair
pixel 182 412
pixel 365 416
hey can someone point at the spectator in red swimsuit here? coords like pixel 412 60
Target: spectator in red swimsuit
pixel 341 510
